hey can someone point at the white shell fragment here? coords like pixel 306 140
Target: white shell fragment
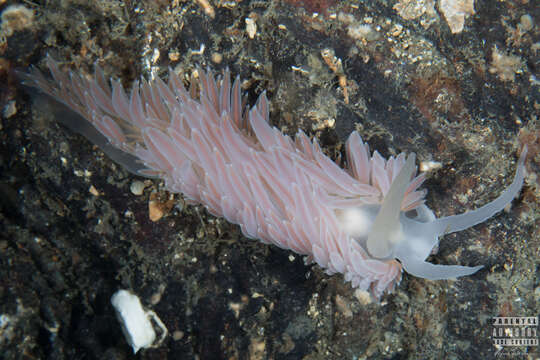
pixel 136 321
pixel 251 27
pixel 455 12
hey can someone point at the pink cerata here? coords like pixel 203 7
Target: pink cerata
pixel 366 221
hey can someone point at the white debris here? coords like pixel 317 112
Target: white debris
pixel 429 165
pixel 505 66
pixel 251 27
pixel 137 187
pixel 136 322
pixel 455 12
pixel 413 9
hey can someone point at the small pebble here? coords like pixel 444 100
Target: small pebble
pixel 137 188
pixel 177 335
pixel 526 22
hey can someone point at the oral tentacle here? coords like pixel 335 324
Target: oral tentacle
pixel 386 230
pixel 450 224
pixel 426 270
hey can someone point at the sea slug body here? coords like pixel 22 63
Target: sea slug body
pixel 366 221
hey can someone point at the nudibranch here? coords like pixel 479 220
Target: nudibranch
pixel 366 221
